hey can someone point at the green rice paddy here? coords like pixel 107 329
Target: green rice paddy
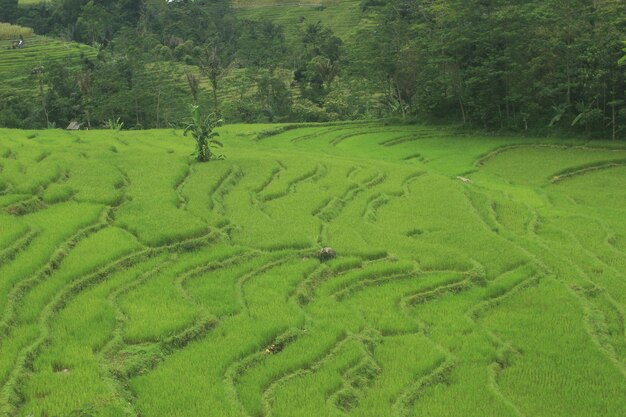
pixel 17 66
pixel 475 276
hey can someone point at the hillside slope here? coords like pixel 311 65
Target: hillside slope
pixel 475 276
pixel 17 65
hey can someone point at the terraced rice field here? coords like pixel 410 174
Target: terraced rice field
pixel 136 282
pixel 345 18
pixel 17 65
pixel 347 21
pixel 342 16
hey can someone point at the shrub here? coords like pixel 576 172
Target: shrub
pixel 203 132
pixel 306 111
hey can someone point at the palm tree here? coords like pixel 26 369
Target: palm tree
pixel 326 69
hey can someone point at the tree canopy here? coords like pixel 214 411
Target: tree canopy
pixel 497 64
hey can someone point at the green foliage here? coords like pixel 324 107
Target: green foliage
pixel 274 96
pixel 203 132
pixel 502 66
pixel 114 124
pixel 307 111
pixel 13 32
pixel 261 44
pixel 93 24
pixel 622 60
pixel 9 13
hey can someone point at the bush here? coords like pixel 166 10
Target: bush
pixel 306 111
pixel 366 4
pixel 340 106
pixel 245 110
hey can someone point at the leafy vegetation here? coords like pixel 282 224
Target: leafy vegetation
pixel 500 65
pixel 203 132
pixel 114 124
pixel 474 275
pixel 8 31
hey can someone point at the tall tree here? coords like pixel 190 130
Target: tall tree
pixel 214 64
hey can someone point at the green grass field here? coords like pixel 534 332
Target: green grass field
pixel 137 282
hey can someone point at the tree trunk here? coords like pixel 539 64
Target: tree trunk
pixel 400 100
pixel 462 108
pixel 214 85
pixel 613 122
pixel 43 101
pixel 158 109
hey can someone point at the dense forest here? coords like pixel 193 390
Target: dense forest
pixel 492 64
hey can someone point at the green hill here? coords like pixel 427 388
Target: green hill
pixel 17 65
pixel 501 67
pixel 343 17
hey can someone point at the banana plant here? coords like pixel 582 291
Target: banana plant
pixel 203 131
